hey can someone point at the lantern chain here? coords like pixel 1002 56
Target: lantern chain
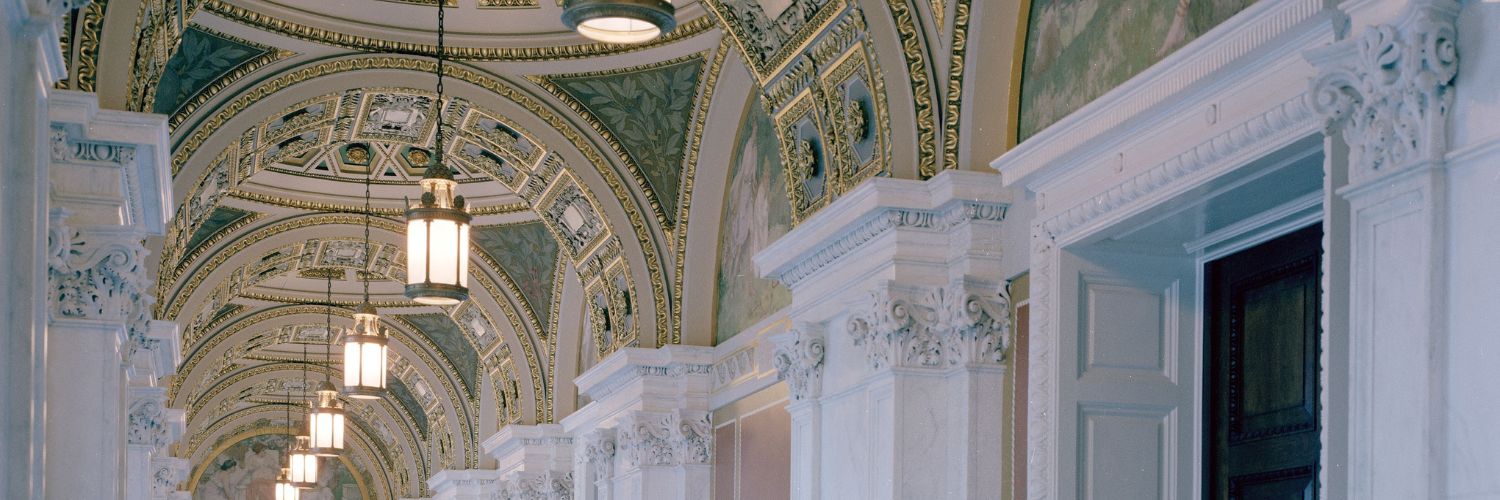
pixel 328 330
pixel 441 55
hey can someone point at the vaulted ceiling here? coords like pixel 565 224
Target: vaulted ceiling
pixel 597 175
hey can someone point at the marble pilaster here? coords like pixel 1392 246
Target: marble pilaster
pixel 900 326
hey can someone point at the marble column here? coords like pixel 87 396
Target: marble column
pixel 1386 92
pixel 646 434
pixel 896 362
pixel 33 62
pixel 108 186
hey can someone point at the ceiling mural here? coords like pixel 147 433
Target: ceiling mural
pixel 202 61
pixel 248 469
pixel 450 341
pixel 1078 50
pixel 578 162
pixel 648 110
pixel 755 214
pixel 528 254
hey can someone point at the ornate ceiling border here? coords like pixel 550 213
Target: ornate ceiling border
pixel 689 172
pixel 921 87
pixel 277 201
pixel 954 102
pixel 637 221
pixel 254 19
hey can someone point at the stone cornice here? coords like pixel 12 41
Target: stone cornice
pixel 1290 118
pixel 876 208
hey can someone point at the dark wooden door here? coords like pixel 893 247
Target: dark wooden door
pixel 1262 364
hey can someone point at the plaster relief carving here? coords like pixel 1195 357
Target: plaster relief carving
pixel 799 361
pixel 1389 90
pixel 147 424
pixel 549 485
pixel 683 437
pixel 959 325
pixel 599 451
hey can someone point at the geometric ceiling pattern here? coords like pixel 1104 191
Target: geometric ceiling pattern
pixel 581 163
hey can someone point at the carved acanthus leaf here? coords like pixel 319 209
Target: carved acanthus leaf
pixel 799 361
pixel 959 325
pixel 1389 90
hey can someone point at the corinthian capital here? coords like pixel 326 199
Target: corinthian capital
pixel 799 360
pixel 1389 89
pixel 963 324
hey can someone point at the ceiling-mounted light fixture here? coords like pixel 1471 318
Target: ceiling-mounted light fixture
pixel 325 418
pixel 437 226
pixel 620 21
pixel 365 347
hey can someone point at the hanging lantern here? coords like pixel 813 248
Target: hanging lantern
pixel 325 422
pixel 437 242
pixel 437 225
pixel 284 488
pixel 365 356
pixel 304 464
pixel 620 21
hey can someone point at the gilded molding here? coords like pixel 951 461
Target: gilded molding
pixel 176 299
pixel 689 170
pixel 264 426
pixel 952 126
pixel 921 88
pixel 245 16
pixel 90 30
pixel 508 208
pixel 507 4
pixel 768 67
pixel 539 386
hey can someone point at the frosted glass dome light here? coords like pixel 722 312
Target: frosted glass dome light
pixel 620 21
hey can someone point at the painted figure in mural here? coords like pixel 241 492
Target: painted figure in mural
pixel 250 477
pixel 756 213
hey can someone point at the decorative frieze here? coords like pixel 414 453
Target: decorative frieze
pixel 960 325
pixel 74 151
pixel 1389 89
pixel 799 361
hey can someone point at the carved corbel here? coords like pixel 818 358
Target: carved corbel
pixel 1389 89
